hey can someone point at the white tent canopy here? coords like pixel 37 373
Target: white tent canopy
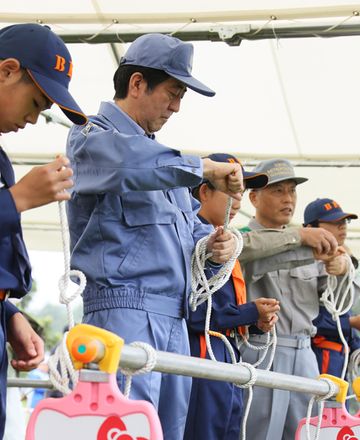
pixel 291 97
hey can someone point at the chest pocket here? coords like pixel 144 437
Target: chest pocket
pixel 142 208
pixel 305 273
pixel 142 212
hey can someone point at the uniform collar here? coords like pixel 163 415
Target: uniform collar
pixel 254 224
pixel 121 120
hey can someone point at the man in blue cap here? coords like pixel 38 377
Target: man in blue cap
pixel 133 224
pixel 35 70
pixel 215 409
pixel 327 345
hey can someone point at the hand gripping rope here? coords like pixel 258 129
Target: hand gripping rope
pixel 338 300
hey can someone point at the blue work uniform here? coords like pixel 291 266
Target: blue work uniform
pixel 327 345
pixel 215 409
pixel 133 228
pixel 15 270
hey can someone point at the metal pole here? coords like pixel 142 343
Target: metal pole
pixel 133 357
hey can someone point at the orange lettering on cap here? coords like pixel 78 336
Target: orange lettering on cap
pixel 60 63
pixel 70 71
pixel 335 205
pixel 328 206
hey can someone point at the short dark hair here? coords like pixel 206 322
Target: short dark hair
pixel 196 190
pixel 122 76
pixel 314 224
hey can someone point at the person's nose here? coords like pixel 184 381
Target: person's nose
pixel 175 104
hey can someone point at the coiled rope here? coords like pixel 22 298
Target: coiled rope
pixel 338 300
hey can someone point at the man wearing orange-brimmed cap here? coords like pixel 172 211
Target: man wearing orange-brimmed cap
pixel 35 70
pixel 215 409
pixel 327 344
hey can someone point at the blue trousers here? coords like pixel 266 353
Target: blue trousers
pixel 3 370
pixel 215 409
pixel 168 393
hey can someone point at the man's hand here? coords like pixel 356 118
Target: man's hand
pixel 267 326
pixel 28 347
pixel 43 185
pixel 321 240
pixel 267 307
pixel 225 177
pixel 337 266
pixel 222 245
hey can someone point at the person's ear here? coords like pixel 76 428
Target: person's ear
pixel 137 84
pixel 10 68
pixel 254 196
pixel 203 193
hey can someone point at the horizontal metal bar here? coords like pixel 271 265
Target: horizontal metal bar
pixel 210 16
pixel 135 358
pixel 254 33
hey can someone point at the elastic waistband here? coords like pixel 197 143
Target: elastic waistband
pixel 150 302
pixel 298 342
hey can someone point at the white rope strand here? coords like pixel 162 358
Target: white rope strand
pixel 147 368
pixel 61 358
pixel 338 300
pixel 320 400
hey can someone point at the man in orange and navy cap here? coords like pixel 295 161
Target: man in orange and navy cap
pixel 35 70
pixel 215 409
pixel 329 350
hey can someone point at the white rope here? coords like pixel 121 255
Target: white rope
pixel 201 287
pixel 147 368
pixel 320 400
pixel 354 365
pixel 338 300
pixel 61 358
pixel 202 290
pixel 251 382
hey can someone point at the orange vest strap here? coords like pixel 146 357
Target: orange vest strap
pixel 202 341
pixel 240 289
pixel 325 362
pixel 322 342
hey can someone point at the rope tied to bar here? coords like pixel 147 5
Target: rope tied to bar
pixel 249 385
pixel 320 400
pixel 151 358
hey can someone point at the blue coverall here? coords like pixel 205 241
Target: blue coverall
pixel 327 344
pixel 15 270
pixel 133 228
pixel 215 409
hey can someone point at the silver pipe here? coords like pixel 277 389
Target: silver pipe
pixel 135 358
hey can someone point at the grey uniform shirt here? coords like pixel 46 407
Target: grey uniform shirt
pixel 295 279
pixel 266 242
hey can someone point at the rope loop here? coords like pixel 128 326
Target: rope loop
pixel 147 368
pixel 320 400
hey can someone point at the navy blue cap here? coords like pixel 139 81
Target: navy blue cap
pixel 168 54
pixel 45 57
pixel 251 180
pixel 278 170
pixel 325 210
